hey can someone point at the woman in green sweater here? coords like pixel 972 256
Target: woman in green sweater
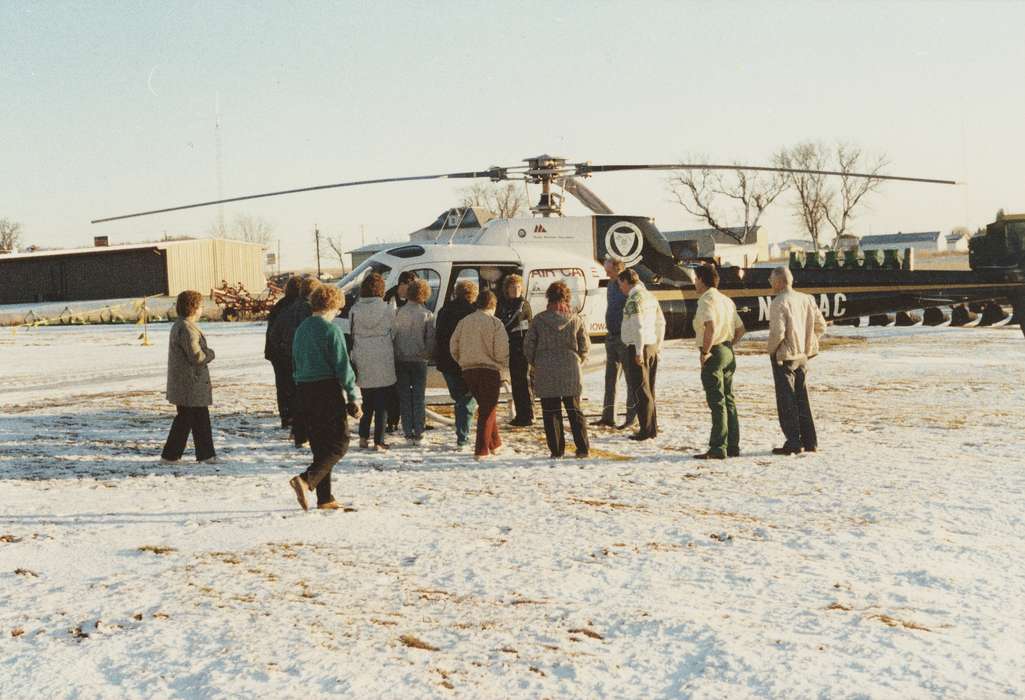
pixel 322 373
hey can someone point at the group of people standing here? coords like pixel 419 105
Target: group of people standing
pixel 635 332
pixel 478 340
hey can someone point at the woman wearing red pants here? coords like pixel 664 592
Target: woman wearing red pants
pixel 480 346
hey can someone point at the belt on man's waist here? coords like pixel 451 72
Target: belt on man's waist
pixel 726 343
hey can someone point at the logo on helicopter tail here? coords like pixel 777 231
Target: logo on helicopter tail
pixel 624 241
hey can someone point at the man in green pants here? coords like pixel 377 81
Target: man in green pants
pixel 717 327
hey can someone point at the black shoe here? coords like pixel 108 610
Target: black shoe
pixel 732 453
pixel 710 455
pixel 521 423
pixel 554 456
pixel 639 437
pixel 392 428
pixel 810 449
pixel 786 450
pixel 624 426
pixel 602 421
pixel 583 454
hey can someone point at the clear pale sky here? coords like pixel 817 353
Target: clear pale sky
pixel 109 107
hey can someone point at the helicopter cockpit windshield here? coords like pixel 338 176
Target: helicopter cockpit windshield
pixel 349 285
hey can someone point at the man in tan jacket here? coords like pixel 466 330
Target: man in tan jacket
pixel 795 324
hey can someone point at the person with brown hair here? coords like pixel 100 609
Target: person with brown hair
pixel 557 345
pixel 480 346
pixel 515 313
pixel 282 364
pixel 188 383
pixel 282 334
pixel 371 323
pixel 461 306
pixel 397 297
pixel 414 341
pixel 322 374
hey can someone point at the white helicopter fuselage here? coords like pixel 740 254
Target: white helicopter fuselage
pixel 541 250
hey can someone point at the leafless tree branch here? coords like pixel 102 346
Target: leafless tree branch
pixel 10 235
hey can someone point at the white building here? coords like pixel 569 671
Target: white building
pixel 925 241
pixel 781 249
pixel 957 242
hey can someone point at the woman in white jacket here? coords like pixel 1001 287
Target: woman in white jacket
pixel 372 323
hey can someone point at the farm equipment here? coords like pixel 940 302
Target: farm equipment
pixel 239 304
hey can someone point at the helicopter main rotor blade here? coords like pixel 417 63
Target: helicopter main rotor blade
pixel 587 169
pixel 584 195
pixel 493 173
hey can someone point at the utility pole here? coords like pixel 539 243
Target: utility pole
pixel 316 238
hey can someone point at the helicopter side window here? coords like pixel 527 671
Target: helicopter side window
pixel 433 279
pixel 466 274
pixel 541 279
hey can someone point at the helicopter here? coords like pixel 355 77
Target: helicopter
pixel 467 244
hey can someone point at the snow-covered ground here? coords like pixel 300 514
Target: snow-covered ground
pixel 890 564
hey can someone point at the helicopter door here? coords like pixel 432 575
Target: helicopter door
pixel 484 276
pixel 541 278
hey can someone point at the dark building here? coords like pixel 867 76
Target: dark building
pixel 119 272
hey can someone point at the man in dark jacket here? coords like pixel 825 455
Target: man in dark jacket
pixel 282 365
pixel 616 356
pixel 515 313
pixel 397 297
pixel 282 333
pixel 445 325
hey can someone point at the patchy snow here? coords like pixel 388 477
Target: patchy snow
pixel 889 564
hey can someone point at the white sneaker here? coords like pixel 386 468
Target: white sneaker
pixel 169 461
pixel 211 460
pixel 364 443
pixel 481 458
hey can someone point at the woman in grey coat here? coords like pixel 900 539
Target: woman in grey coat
pixel 188 383
pixel 414 342
pixel 372 324
pixel 556 345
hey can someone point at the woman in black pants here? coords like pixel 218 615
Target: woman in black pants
pixel 188 383
pixel 556 345
pixel 322 373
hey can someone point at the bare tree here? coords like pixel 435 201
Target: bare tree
pixel 747 194
pixel 504 201
pixel 817 204
pixel 335 249
pixel 10 235
pixel 244 227
pixel 811 194
pixel 252 229
pixel 850 159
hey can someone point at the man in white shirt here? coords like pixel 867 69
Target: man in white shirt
pixel 642 333
pixel 717 327
pixel 795 325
